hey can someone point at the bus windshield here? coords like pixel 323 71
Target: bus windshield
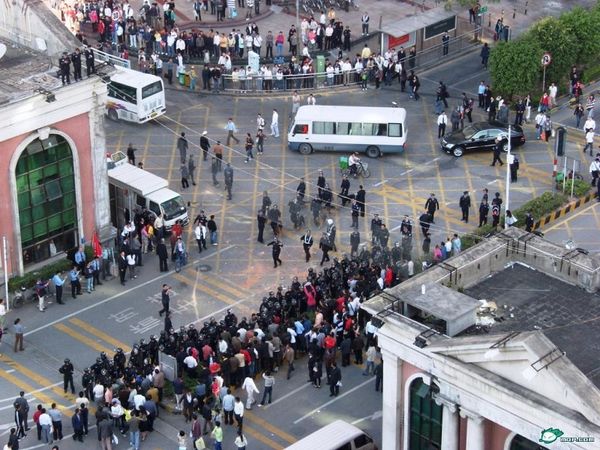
pixel 152 89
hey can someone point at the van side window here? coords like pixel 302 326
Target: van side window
pixel 361 441
pixel 347 446
pixel 155 208
pixel 395 130
pixel 301 129
pixel 140 201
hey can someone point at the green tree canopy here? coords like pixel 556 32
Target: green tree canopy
pixel 562 44
pixel 584 26
pixel 515 66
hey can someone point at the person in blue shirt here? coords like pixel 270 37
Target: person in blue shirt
pixel 79 258
pixel 58 281
pixel 75 284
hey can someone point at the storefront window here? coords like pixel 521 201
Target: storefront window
pixel 425 417
pixel 46 198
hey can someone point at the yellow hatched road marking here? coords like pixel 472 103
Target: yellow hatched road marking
pixel 84 339
pixel 220 285
pixel 267 426
pixel 99 334
pixel 36 378
pixel 262 438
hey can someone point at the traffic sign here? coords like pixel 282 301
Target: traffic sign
pixel 546 59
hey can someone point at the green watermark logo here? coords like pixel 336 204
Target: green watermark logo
pixel 551 435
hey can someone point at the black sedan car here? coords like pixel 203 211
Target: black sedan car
pixel 481 136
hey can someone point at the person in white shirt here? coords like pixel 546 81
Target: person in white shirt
pixel 138 401
pixel 250 387
pixel 330 74
pixel 275 124
pixel 589 141
pixel 45 422
pixel 190 363
pixel 238 412
pixel 595 170
pixel 311 100
pixel 540 119
pixel 81 400
pixel 553 90
pixel 590 124
pixel 442 121
pixel 98 392
pixel 323 18
pixel 353 162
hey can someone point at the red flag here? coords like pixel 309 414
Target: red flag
pixel 96 245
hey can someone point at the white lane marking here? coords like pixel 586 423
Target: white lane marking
pixel 289 394
pixel 376 415
pixel 120 294
pixel 28 395
pixel 380 183
pixel 335 399
pixel 492 182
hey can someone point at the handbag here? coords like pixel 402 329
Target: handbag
pixel 200 445
pixel 115 439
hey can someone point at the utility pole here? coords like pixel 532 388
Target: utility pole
pixel 509 161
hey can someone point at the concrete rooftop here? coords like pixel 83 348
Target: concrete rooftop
pixel 23 70
pixel 568 315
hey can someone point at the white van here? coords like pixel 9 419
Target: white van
pixel 338 435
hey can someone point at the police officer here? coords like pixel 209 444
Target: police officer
pixel 465 204
pixel 262 220
pixel 376 223
pixel 87 381
pixel 65 68
pixel 89 61
pixel 228 178
pixel 277 244
pixel 498 146
pixel 307 242
pixel 76 59
pixel 344 188
pixel 67 373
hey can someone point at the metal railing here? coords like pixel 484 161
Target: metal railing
pixel 293 82
pixel 435 55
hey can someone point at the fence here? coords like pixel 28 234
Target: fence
pixel 286 83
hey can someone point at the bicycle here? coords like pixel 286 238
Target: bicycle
pixel 362 170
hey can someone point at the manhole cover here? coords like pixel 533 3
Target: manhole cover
pixel 203 268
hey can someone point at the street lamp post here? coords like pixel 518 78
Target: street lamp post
pixel 509 161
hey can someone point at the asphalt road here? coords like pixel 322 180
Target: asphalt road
pixel 239 271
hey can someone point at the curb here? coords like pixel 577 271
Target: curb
pixel 564 210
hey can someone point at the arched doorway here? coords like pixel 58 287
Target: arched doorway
pixel 46 197
pixel 521 443
pixel 425 431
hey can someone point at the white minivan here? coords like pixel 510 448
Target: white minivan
pixel 338 435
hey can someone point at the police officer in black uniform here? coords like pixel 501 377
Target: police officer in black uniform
pixel 307 242
pixel 89 61
pixel 76 60
pixel 276 244
pixel 67 373
pixel 65 68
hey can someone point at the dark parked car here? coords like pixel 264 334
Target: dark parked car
pixel 481 136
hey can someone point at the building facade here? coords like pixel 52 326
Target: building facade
pixel 502 382
pixel 55 191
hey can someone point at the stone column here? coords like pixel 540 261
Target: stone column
pixel 392 423
pixel 449 423
pixel 475 430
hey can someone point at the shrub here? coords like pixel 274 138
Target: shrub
pixel 540 206
pixel 580 188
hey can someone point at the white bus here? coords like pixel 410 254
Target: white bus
pixel 372 130
pixel 135 96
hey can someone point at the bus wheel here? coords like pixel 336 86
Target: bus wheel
pixel 112 115
pixel 305 149
pixel 373 151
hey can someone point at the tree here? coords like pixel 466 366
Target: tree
pixel 584 26
pixel 515 66
pixel 555 38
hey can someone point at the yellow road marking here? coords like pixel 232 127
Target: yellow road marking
pixel 570 217
pixel 271 428
pixel 259 436
pixel 36 378
pixel 84 339
pixel 99 334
